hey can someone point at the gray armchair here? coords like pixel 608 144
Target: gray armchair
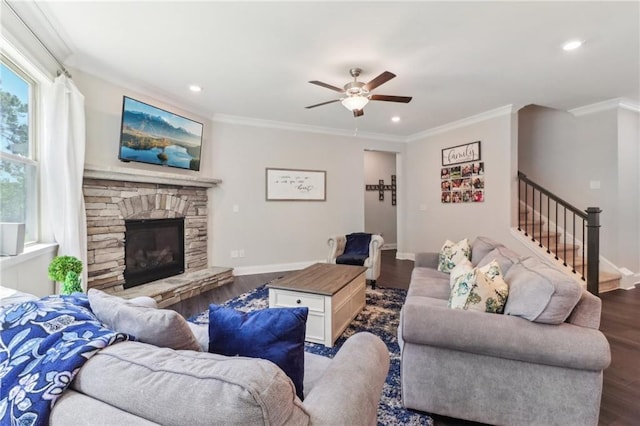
pixel 370 258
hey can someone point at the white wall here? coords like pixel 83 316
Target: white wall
pixel 428 221
pixel 29 271
pixel 380 216
pixel 564 154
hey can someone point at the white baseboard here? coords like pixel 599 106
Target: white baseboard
pixel 393 246
pixel 265 269
pixel 406 256
pixel 629 279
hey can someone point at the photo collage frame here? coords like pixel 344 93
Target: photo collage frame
pixel 462 183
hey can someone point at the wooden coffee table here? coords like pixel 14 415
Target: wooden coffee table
pixel 334 294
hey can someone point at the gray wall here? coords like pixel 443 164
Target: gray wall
pixel 380 217
pixel 103 110
pixel 274 235
pixel 566 154
pixel 280 235
pixel 628 210
pixel 286 235
pixel 428 221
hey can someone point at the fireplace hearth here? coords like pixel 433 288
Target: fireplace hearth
pixel 154 249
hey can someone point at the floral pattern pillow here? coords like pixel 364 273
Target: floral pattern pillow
pixel 462 288
pixel 461 268
pixel 490 292
pixel 481 289
pixel 453 253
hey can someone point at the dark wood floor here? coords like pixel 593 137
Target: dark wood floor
pixel 620 323
pixel 621 390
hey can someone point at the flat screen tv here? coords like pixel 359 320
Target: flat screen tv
pixel 152 135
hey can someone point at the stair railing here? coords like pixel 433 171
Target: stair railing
pixel 586 222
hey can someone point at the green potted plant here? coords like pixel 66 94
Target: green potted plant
pixel 66 270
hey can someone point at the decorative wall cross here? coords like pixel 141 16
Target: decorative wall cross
pixel 381 187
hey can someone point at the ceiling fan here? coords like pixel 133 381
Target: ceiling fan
pixel 358 94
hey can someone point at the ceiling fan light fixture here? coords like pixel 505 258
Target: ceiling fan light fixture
pixel 355 102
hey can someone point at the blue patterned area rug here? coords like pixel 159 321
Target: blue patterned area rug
pixel 380 316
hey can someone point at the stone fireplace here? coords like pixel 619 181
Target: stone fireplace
pixel 116 199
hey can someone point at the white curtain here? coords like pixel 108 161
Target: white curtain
pixel 62 168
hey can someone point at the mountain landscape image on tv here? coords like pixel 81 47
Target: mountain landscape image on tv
pixel 155 136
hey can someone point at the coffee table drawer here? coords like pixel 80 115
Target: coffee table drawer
pixel 292 299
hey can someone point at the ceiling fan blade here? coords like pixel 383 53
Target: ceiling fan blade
pixel 358 113
pixel 323 103
pixel 328 86
pixel 403 99
pixel 381 79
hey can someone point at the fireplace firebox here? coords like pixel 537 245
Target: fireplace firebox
pixel 153 249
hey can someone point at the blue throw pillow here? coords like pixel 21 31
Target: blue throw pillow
pixel 274 334
pixel 357 243
pixel 352 259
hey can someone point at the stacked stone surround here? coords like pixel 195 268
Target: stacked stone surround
pixel 109 202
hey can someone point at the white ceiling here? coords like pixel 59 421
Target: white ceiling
pixel 456 59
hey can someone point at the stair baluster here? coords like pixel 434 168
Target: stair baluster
pixel 590 220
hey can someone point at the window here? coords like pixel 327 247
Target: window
pixel 18 165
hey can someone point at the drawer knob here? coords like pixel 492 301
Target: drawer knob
pixel 298 301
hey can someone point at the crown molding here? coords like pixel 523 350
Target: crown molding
pixel 40 23
pixel 255 122
pixel 623 103
pixel 487 115
pixel 629 105
pixel 280 125
pixel 19 40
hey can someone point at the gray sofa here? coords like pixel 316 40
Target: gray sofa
pixel 135 383
pixel 532 369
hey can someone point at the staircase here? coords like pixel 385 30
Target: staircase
pixel 561 230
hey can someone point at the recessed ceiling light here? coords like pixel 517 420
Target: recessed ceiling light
pixel 572 45
pixel 395 119
pixel 195 88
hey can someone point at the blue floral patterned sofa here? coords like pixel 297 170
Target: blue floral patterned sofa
pixel 539 363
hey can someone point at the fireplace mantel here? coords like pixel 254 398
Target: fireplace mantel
pixel 145 176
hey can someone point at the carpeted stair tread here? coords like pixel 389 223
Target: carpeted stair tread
pixel 608 281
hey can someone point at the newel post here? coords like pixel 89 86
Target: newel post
pixel 593 249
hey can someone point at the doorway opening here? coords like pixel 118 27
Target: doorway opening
pixel 381 196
